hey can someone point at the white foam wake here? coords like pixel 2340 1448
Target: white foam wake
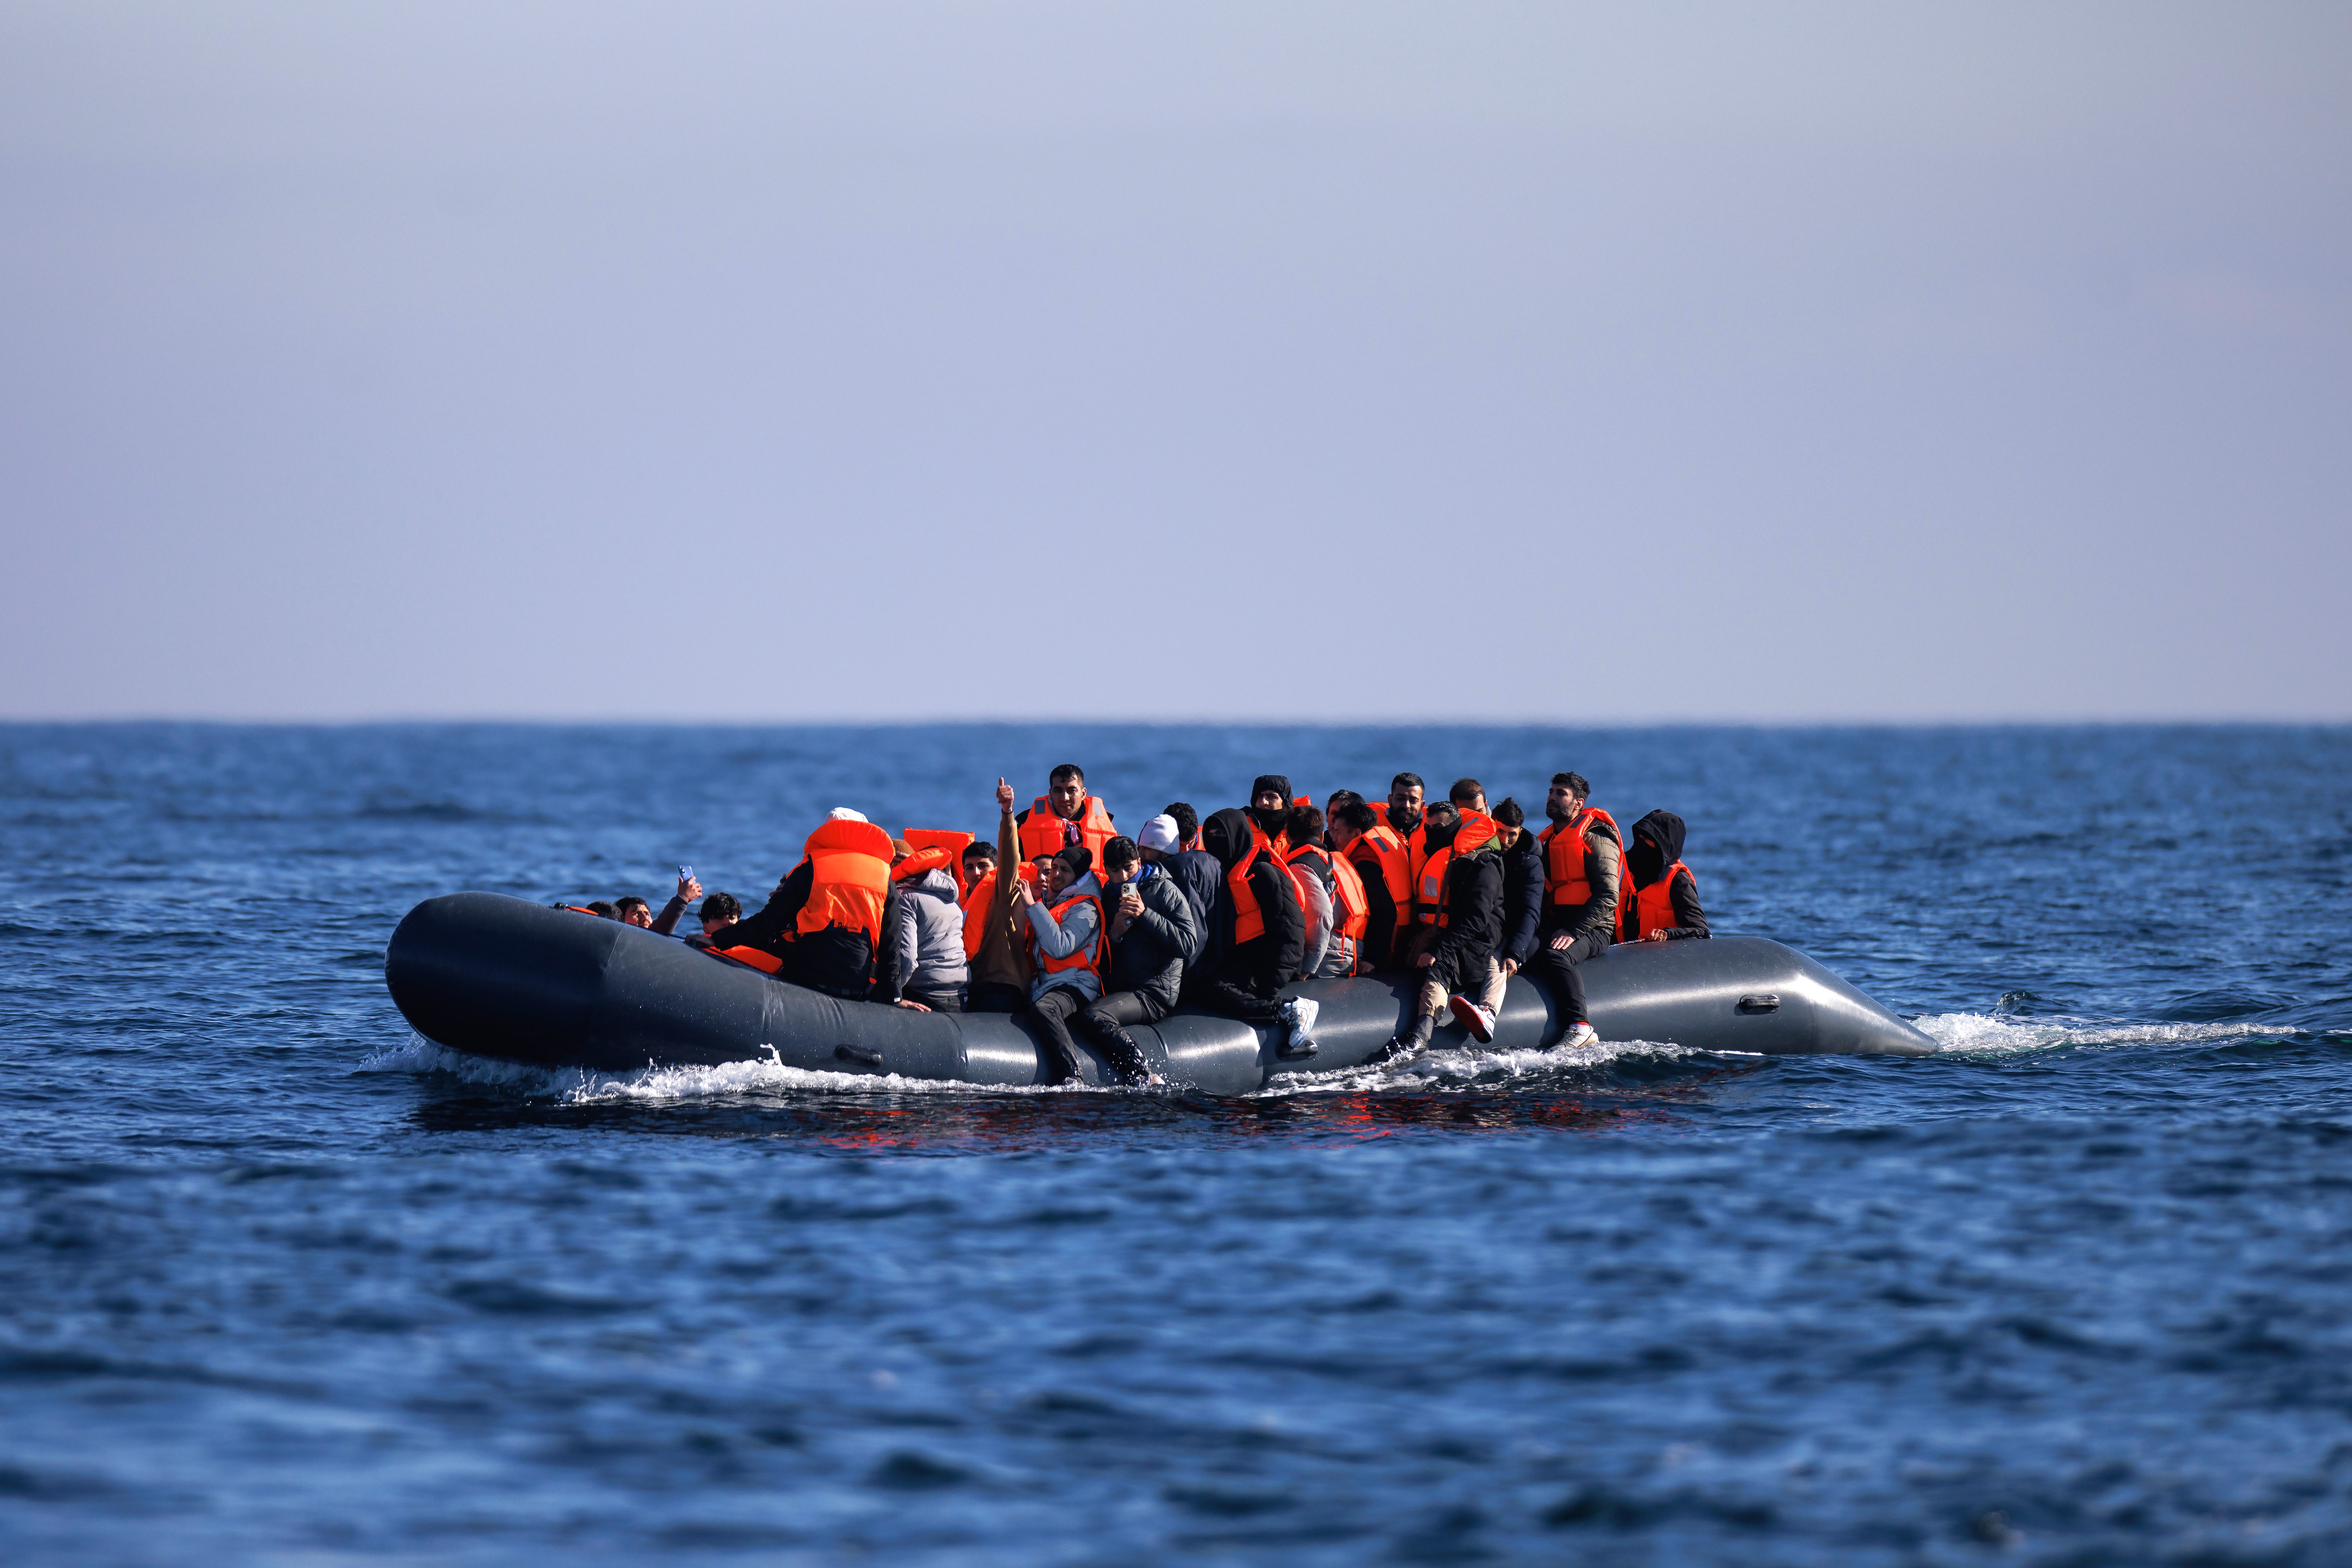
pixel 419 1056
pixel 1987 1032
pixel 1473 1067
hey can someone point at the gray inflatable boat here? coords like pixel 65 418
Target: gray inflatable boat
pixel 498 977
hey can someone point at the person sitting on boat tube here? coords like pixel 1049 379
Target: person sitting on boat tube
pixel 823 924
pixel 1455 950
pixel 1261 937
pixel 1064 814
pixel 1195 871
pixel 1329 878
pixel 1153 929
pixel 1371 846
pixel 996 940
pixel 1067 943
pixel 1661 901
pixel 1583 867
pixel 922 931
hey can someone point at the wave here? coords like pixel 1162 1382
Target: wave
pixel 1473 1067
pixel 1978 1032
pixel 418 1057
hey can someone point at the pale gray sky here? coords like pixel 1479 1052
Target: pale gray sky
pixel 1235 361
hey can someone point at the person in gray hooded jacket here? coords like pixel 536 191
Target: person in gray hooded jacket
pixel 924 942
pixel 1153 929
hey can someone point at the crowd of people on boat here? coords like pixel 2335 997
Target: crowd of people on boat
pixel 1092 933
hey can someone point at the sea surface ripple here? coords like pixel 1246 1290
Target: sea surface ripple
pixel 281 1282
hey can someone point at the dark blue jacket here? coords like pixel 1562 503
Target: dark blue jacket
pixel 1523 892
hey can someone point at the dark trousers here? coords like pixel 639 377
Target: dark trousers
pixel 1103 1019
pixel 1554 969
pixel 947 999
pixel 996 996
pixel 1051 1013
pixel 1234 999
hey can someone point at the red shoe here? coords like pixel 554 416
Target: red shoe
pixel 1474 1018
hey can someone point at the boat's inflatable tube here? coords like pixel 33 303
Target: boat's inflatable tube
pixel 498 977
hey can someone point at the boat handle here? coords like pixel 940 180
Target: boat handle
pixel 865 1054
pixel 1760 1002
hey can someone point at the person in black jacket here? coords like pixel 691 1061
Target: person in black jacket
pixel 1242 980
pixel 1152 930
pixel 1458 960
pixel 1654 855
pixel 1523 886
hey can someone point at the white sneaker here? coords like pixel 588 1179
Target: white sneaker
pixel 1581 1034
pixel 1299 1013
pixel 1474 1018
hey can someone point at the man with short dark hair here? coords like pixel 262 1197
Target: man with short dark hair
pixel 1188 824
pixel 719 911
pixel 1370 845
pixel 634 910
pixel 1152 930
pixel 600 910
pixel 1404 805
pixel 1064 814
pixel 1583 871
pixel 1468 795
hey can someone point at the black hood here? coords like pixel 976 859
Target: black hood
pixel 1274 782
pixel 1226 835
pixel 1663 828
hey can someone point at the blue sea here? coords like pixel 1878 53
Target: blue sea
pixel 280 1283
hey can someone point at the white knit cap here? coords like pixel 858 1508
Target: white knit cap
pixel 843 814
pixel 1159 834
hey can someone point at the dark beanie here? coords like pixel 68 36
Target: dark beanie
pixel 1079 858
pixel 1274 782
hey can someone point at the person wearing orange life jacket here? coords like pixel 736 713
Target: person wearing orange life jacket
pixel 922 965
pixel 1068 945
pixel 1660 901
pixel 1379 859
pixel 1455 952
pixel 1271 804
pixel 1261 936
pixel 822 925
pixel 1064 814
pixel 1346 909
pixel 995 938
pixel 1583 864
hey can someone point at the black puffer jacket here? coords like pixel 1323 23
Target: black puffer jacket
pixel 1272 959
pixel 1523 892
pixel 1474 911
pixel 1150 957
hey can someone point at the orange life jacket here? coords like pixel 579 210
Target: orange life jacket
pixel 1385 853
pixel 1090 957
pixel 849 882
pixel 752 957
pixel 1567 846
pixel 1300 876
pixel 1649 908
pixel 922 860
pixel 977 902
pixel 1352 907
pixel 941 838
pixel 1043 835
pixel 1249 921
pixel 1429 905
